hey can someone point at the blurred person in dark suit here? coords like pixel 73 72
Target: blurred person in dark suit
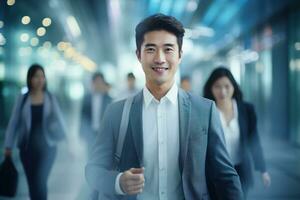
pixel 238 120
pixel 185 83
pixel 131 88
pixel 93 107
pixel 36 124
pixel 131 85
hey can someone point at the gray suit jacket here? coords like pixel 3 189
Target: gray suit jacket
pixel 203 159
pixel 19 125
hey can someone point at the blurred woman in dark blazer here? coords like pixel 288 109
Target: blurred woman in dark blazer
pixel 36 125
pixel 239 124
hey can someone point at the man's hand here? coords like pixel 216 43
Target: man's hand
pixel 132 181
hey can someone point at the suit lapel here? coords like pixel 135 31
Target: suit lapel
pixel 184 123
pixel 137 125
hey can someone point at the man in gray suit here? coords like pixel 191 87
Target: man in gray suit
pixel 174 145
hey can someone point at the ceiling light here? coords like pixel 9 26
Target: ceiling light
pixel 24 37
pixel 34 41
pixel 41 31
pixel 46 22
pixel 11 2
pixel 26 20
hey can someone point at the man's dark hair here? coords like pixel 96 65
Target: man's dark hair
pixel 96 75
pixel 31 72
pixel 216 74
pixel 130 76
pixel 185 78
pixel 159 22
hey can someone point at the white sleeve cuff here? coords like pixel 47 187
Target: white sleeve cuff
pixel 117 185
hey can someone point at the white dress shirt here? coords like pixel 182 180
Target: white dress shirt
pixel 232 135
pixel 161 147
pixel 96 110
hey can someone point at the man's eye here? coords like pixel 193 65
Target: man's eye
pixel 168 49
pixel 150 49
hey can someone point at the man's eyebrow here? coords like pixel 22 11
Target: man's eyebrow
pixel 150 45
pixel 154 45
pixel 169 45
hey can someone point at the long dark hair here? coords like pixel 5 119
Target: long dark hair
pixel 216 74
pixel 31 72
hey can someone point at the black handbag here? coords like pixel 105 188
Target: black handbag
pixel 8 178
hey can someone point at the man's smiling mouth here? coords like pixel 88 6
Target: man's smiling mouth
pixel 160 69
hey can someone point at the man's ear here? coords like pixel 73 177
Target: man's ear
pixel 180 54
pixel 138 54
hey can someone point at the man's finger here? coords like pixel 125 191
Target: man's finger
pixel 135 177
pixel 135 190
pixel 137 170
pixel 135 182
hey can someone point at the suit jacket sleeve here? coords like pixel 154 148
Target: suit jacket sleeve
pixel 11 131
pixel 99 170
pixel 223 181
pixel 254 141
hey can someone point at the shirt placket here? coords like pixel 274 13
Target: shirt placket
pixel 162 151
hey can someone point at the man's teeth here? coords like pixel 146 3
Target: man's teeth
pixel 159 68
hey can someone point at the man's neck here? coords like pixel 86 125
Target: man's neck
pixel 159 91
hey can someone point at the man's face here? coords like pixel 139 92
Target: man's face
pixel 98 84
pixel 186 85
pixel 159 56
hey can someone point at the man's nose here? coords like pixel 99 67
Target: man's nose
pixel 160 57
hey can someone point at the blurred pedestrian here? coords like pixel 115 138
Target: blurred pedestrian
pixel 93 107
pixel 131 85
pixel 131 88
pixel 238 120
pixel 36 125
pixel 185 83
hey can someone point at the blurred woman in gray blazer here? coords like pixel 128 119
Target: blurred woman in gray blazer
pixel 36 125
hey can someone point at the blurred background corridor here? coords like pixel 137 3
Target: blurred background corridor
pixel 259 40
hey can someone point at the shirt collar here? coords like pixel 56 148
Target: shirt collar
pixel 172 95
pixel 235 113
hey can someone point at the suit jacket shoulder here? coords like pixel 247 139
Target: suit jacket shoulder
pixel 248 107
pixel 200 104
